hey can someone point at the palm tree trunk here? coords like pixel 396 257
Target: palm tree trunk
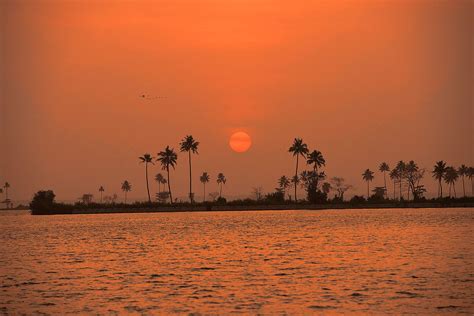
pixel 408 192
pixel 100 197
pixel 449 189
pixel 147 186
pixel 400 188
pixel 220 190
pixel 204 194
pixel 394 186
pixel 441 188
pixel 169 185
pixel 367 190
pixel 125 197
pixel 463 189
pixel 454 189
pixel 296 177
pixel 385 184
pixel 190 179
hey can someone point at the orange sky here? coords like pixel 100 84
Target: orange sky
pixel 362 81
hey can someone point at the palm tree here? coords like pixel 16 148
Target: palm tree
pixel 168 158
pixel 6 187
pixel 299 148
pixel 401 166
pixel 384 168
pixel 1 191
pixel 463 171
pixel 470 175
pixel 394 175
pixel 101 190
pixel 284 183
pixel 316 159
pixel 221 180
pixel 126 187
pixel 368 176
pixel 450 177
pixel 204 179
pixel 159 178
pixel 147 158
pixel 438 173
pixel 188 144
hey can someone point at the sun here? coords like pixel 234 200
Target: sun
pixel 240 142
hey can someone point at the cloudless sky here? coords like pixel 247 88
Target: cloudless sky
pixel 361 81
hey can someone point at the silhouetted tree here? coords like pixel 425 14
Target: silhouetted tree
pixel 338 183
pixel 42 201
pixel 258 193
pixel 6 186
pixel 463 171
pixel 147 158
pixel 189 145
pixel 438 173
pixel 450 177
pixel 126 187
pixel 101 190
pixel 326 187
pixel 221 180
pixel 168 158
pixel 413 175
pixel 159 179
pixel 401 172
pixel 283 183
pixel 384 168
pixel 368 176
pixel 395 176
pixel 470 175
pixel 316 159
pixel 299 148
pixel 204 179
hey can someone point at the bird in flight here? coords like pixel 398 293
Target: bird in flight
pixel 149 97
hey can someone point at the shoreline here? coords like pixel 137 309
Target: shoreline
pixel 233 208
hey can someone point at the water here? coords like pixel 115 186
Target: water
pixel 295 262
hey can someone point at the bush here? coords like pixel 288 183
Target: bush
pixel 42 201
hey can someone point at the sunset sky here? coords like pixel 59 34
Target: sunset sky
pixel 361 81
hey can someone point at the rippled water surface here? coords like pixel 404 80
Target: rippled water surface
pixel 270 262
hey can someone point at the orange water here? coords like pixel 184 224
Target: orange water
pixel 270 262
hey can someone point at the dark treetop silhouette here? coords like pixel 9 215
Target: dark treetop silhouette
pixel 204 178
pixel 168 158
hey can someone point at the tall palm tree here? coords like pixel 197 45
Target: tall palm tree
pixel 6 186
pixel 450 177
pixel 204 179
pixel 384 168
pixel 438 172
pixel 101 190
pixel 220 181
pixel 316 159
pixel 189 145
pixel 168 158
pixel 1 192
pixel 463 171
pixel 401 166
pixel 284 183
pixel 147 158
pixel 299 148
pixel 470 175
pixel 159 179
pixel 368 176
pixel 395 176
pixel 126 187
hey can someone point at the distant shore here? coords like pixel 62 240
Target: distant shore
pixel 258 207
